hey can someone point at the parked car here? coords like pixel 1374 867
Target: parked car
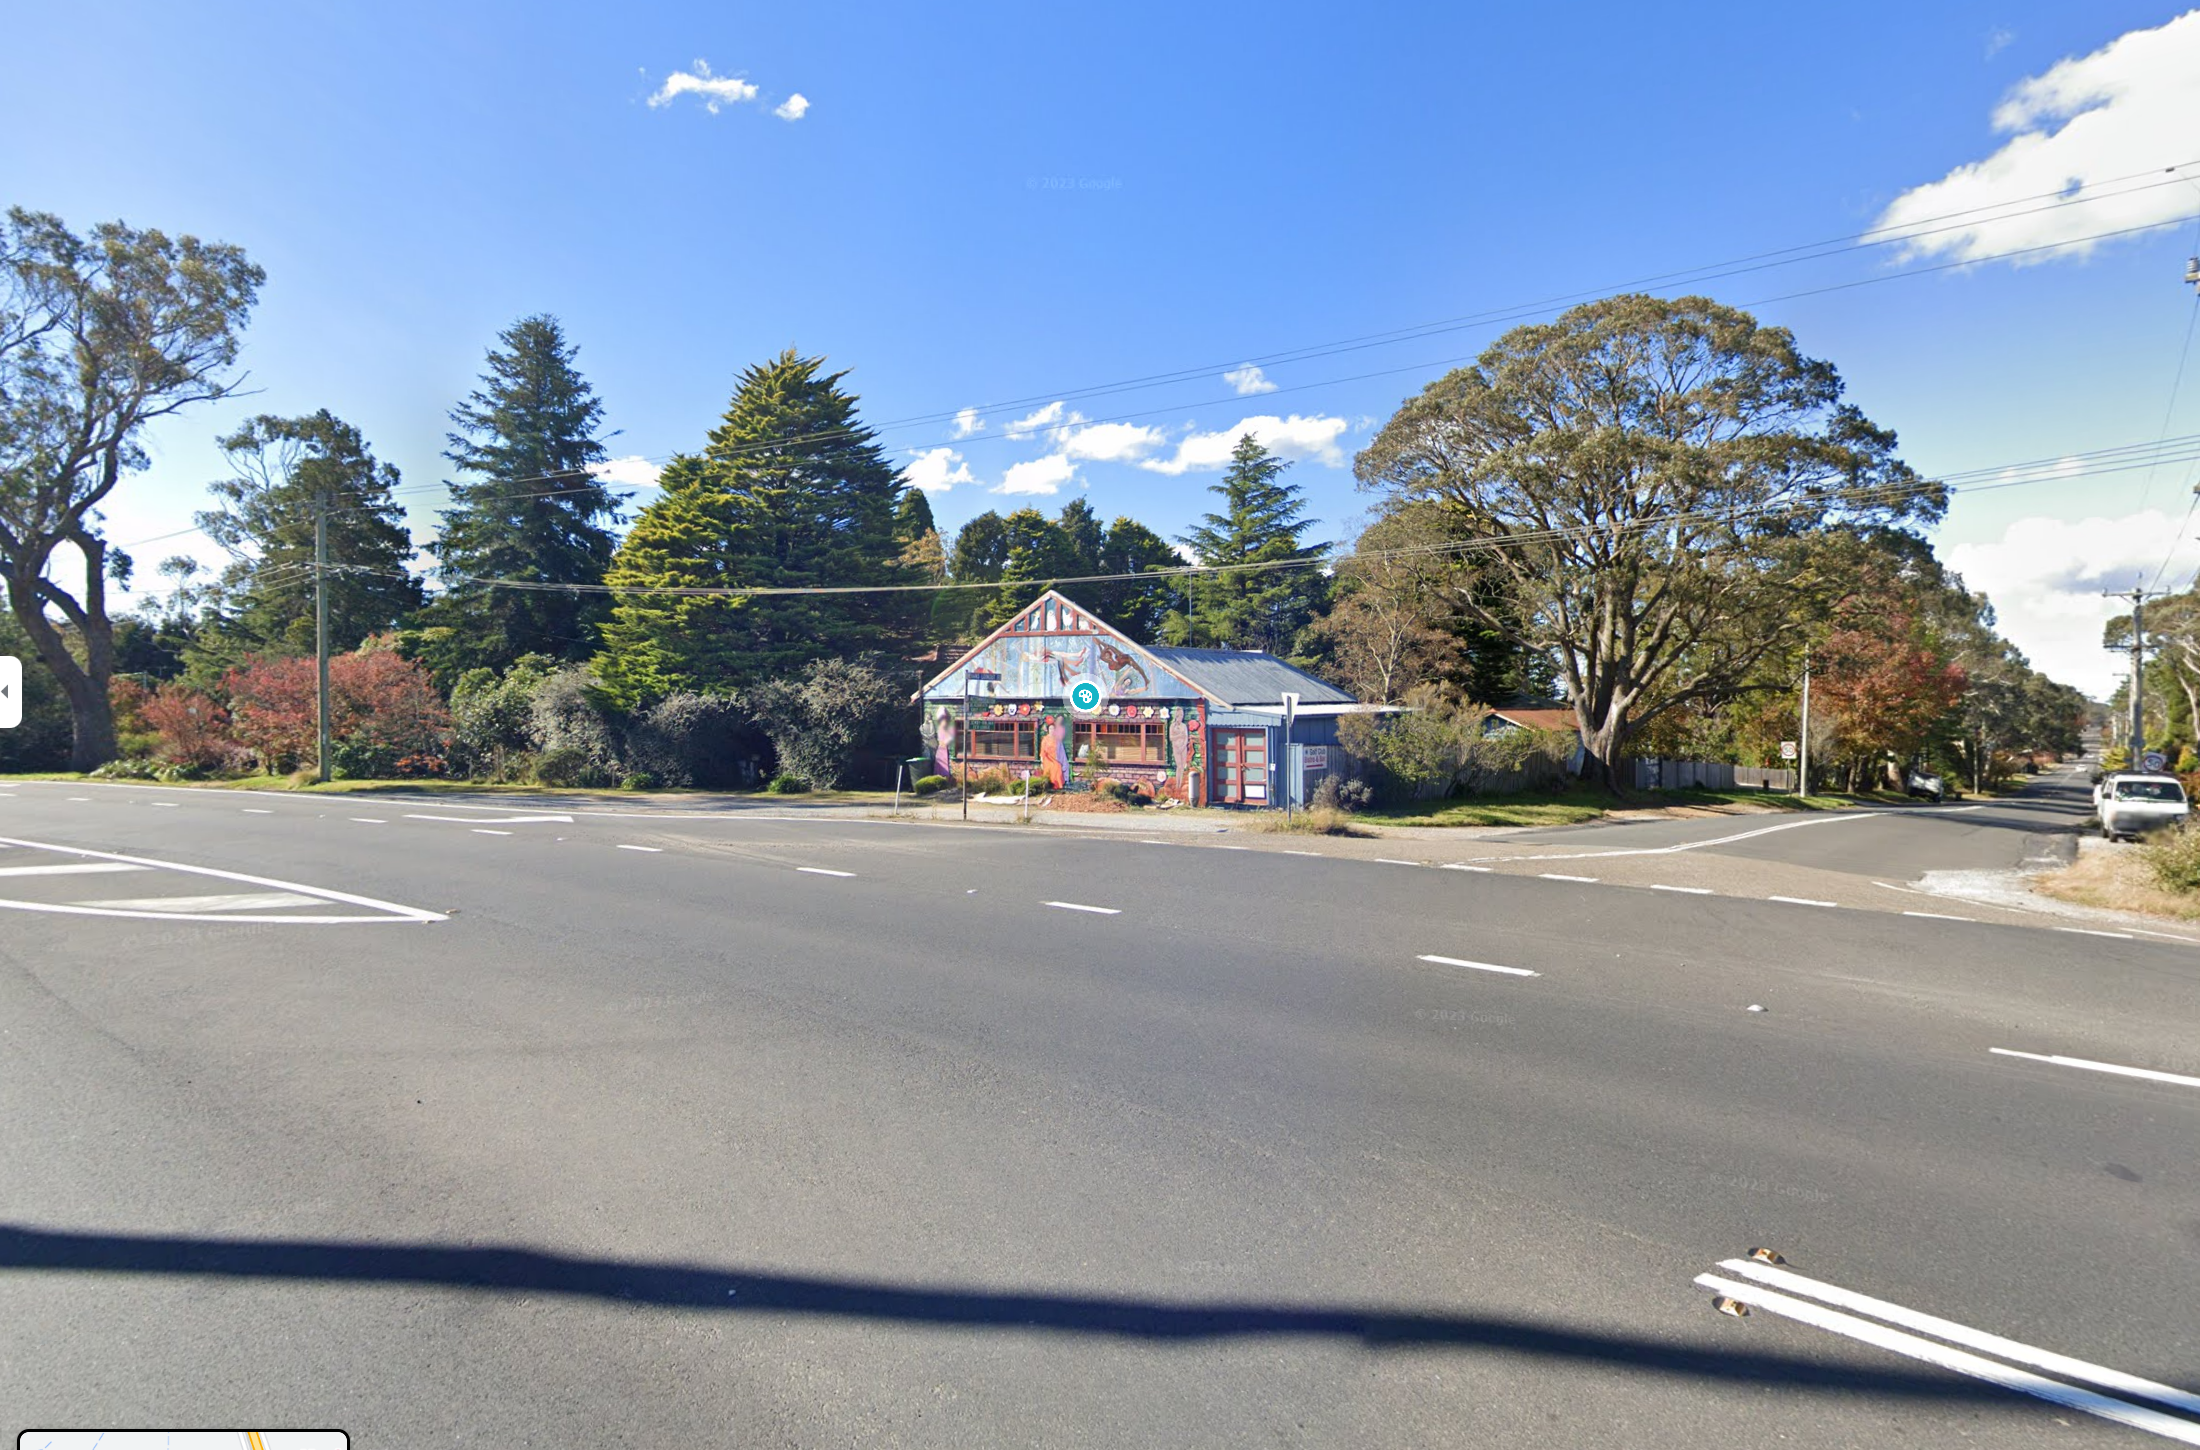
pixel 2131 804
pixel 1923 784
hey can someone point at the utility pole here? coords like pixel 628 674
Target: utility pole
pixel 1802 742
pixel 320 631
pixel 2135 744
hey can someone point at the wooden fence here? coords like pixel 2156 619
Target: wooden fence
pixel 1663 773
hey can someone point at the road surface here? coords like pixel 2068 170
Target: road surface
pixel 460 1124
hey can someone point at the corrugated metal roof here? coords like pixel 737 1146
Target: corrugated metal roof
pixel 1538 719
pixel 1247 677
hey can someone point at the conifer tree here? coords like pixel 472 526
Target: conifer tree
pixel 1260 523
pixel 790 491
pixel 524 508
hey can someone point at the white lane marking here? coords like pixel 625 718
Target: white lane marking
pixel 242 901
pixel 1834 820
pixel 822 871
pixel 2165 936
pixel 255 811
pixel 653 850
pixel 84 798
pixel 2088 931
pixel 2091 1066
pixel 1461 866
pixel 1963 1334
pixel 1233 848
pixel 1393 861
pixel 1555 876
pixel 490 820
pixel 1801 901
pixel 370 820
pixel 485 831
pixel 1477 966
pixel 1144 842
pixel 1690 890
pixel 1939 916
pixel 1302 853
pixel 1962 1362
pixel 73 868
pixel 1095 910
pixel 163 805
pixel 392 911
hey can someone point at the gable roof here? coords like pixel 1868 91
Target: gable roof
pixel 1078 620
pixel 1538 719
pixel 1246 677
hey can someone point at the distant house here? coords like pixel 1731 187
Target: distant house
pixel 1512 719
pixel 1061 696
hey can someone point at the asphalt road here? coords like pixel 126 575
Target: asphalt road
pixel 503 1128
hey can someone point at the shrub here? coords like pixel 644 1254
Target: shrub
pixel 1119 790
pixel 568 719
pixel 928 784
pixel 818 718
pixel 1313 821
pixel 994 782
pixel 140 767
pixel 639 780
pixel 787 785
pixel 687 739
pixel 192 730
pixel 382 708
pixel 493 718
pixel 571 765
pixel 2174 857
pixel 1337 793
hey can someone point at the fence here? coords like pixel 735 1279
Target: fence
pixel 1660 773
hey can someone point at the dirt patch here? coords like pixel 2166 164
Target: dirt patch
pixel 2116 878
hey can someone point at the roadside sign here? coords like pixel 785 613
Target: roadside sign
pixel 11 692
pixel 1317 757
pixel 1086 697
pixel 2153 760
pixel 1787 750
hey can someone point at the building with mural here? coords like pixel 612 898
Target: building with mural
pixel 1058 695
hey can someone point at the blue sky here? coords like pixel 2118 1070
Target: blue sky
pixel 1009 203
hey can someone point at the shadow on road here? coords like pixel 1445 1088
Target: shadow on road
pixel 721 1291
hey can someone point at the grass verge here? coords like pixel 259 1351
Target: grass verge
pixel 2117 878
pixel 1313 821
pixel 469 787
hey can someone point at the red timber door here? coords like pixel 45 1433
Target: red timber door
pixel 1241 767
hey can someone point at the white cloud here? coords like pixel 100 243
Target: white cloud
pixel 2045 578
pixel 716 91
pixel 634 471
pixel 1998 40
pixel 936 470
pixel 1047 417
pixel 1107 442
pixel 1038 475
pixel 1248 380
pixel 968 422
pixel 2086 120
pixel 794 108
pixel 1295 437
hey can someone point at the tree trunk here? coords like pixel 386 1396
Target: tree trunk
pixel 91 713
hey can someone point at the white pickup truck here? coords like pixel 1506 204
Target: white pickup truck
pixel 2131 804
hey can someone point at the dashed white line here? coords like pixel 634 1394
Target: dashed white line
pixel 256 811
pixel 1393 861
pixel 1477 966
pixel 163 805
pixel 822 871
pixel 1555 876
pixel 1939 916
pixel 2088 931
pixel 654 850
pixel 1080 906
pixel 485 831
pixel 2109 1067
pixel 1301 853
pixel 85 798
pixel 1801 901
pixel 370 820
pixel 1689 890
pixel 1463 866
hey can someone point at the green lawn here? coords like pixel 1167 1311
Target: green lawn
pixel 1588 803
pixel 468 787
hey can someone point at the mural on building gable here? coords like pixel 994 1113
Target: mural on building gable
pixel 1033 666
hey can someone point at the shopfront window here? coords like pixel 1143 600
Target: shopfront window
pixel 1125 742
pixel 1004 739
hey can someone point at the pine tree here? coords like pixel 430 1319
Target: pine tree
pixel 524 508
pixel 1260 524
pixel 790 491
pixel 286 471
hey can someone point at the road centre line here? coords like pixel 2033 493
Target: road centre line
pixel 73 868
pixel 1555 876
pixel 1301 853
pixel 2150 1074
pixel 1095 910
pixel 653 850
pixel 1962 1362
pixel 370 820
pixel 1393 861
pixel 1801 901
pixel 485 831
pixel 490 820
pixel 1689 890
pixel 1461 866
pixel 1963 1334
pixel 84 798
pixel 256 811
pixel 828 871
pixel 163 805
pixel 1477 966
pixel 2088 931
pixel 1939 916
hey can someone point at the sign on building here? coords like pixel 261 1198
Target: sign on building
pixel 1317 757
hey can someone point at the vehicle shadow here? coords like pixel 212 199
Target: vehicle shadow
pixel 703 1288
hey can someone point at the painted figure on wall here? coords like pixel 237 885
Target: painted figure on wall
pixel 939 734
pixel 1054 752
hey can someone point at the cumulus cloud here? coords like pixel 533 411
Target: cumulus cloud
pixel 2072 129
pixel 1295 437
pixel 968 422
pixel 1038 475
pixel 1248 380
pixel 2046 577
pixel 794 108
pixel 936 470
pixel 1107 442
pixel 630 472
pixel 1047 417
pixel 716 91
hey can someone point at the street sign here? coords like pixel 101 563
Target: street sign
pixel 1086 697
pixel 2152 760
pixel 1787 750
pixel 1317 757
pixel 11 692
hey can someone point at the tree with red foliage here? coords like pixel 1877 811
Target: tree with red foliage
pixel 383 708
pixel 1885 687
pixel 193 728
